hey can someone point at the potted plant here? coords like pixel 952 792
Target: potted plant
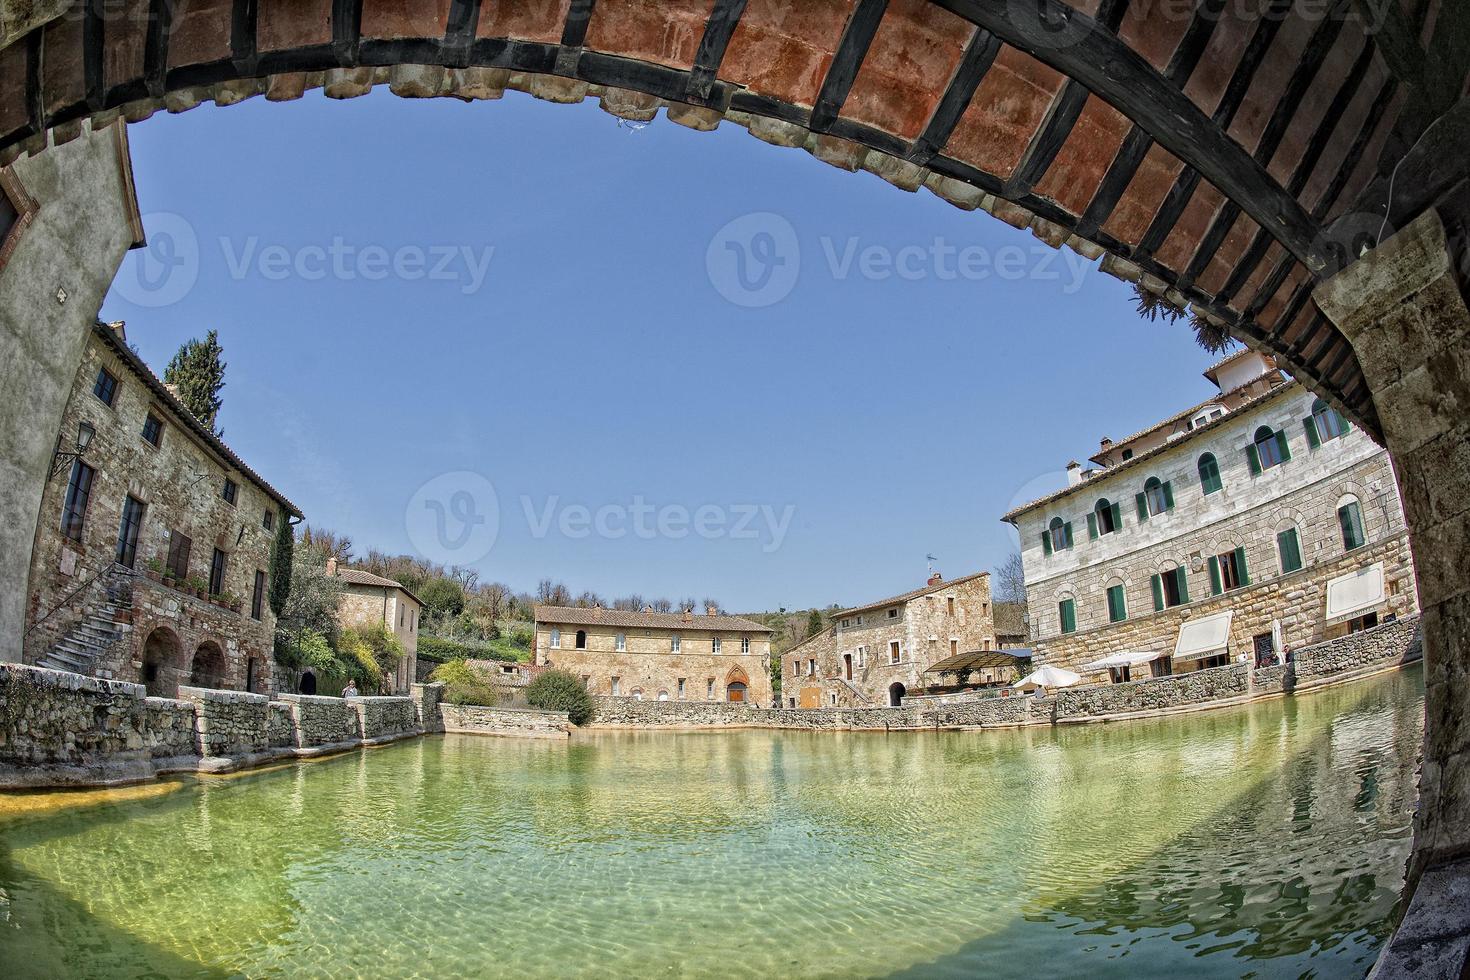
pixel 153 568
pixel 198 586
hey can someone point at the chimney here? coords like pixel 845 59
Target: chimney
pixel 1074 473
pixel 332 567
pixel 711 610
pixel 648 609
pixel 689 615
pixel 935 578
pixel 119 327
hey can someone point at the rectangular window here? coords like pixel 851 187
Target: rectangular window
pixel 715 645
pixel 621 643
pixel 1365 622
pixel 1171 589
pixel 862 658
pixel 893 614
pixel 152 430
pixel 257 598
pixel 105 387
pixel 954 647
pixel 1228 571
pixel 268 520
pixel 617 686
pixel 1350 517
pixel 811 668
pixel 127 534
pixel 895 651
pixel 745 644
pixel 674 643
pixel 400 617
pixel 179 545
pixel 1117 606
pixel 556 639
pixel 709 689
pixel 833 696
pixel 951 605
pixel 1290 547
pixel 1067 614
pixel 78 494
pixel 681 689
pixel 217 572
pixel 230 491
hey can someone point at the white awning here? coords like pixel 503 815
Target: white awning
pixel 1356 592
pixel 1202 637
pixel 1125 659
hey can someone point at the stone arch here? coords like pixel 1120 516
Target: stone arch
pixel 896 694
pixel 162 657
pixel 737 685
pixel 307 683
pixel 208 667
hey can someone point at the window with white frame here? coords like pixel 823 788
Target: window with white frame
pixel 862 656
pixel 617 686
pixel 556 639
pixel 811 667
pixel 620 643
pixel 715 645
pixel 895 651
pixel 709 689
pixel 745 644
pixel 674 643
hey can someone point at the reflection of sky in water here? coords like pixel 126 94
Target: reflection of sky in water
pixel 1267 840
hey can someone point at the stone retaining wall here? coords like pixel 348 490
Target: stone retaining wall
pixel 63 729
pixel 1155 694
pixel 980 713
pixel 519 722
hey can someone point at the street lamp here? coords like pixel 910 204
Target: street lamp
pixel 85 432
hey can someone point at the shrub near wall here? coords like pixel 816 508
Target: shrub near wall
pixel 557 690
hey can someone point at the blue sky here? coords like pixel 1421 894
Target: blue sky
pixel 501 313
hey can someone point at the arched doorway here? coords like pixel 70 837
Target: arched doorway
pixel 307 685
pixel 896 691
pixel 160 660
pixel 737 685
pixel 208 667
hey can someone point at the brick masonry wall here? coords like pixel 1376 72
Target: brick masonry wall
pixel 518 722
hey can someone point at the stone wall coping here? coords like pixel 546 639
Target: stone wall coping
pixel 543 712
pixel 310 699
pixel 379 698
pixel 175 703
pixel 221 696
pixel 74 682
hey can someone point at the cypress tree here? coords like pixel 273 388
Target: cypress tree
pixel 283 551
pixel 813 624
pixel 197 374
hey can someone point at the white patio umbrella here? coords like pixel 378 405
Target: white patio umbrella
pixel 1049 677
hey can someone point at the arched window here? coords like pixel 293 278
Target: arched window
pixel 1057 536
pixel 1104 519
pixel 1157 498
pixel 1209 474
pixel 1324 424
pixel 1350 519
pixel 581 639
pixel 1269 449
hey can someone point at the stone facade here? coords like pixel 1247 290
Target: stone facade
pixel 197 508
pixel 472 719
pixel 373 600
pixel 1200 533
pixel 853 663
pixel 658 656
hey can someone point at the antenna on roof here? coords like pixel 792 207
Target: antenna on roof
pixel 931 559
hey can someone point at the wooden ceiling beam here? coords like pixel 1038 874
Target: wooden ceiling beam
pixel 718 30
pixel 974 66
pixel 857 37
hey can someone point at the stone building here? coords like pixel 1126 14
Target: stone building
pixel 152 553
pixel 1254 523
pixel 876 654
pixel 372 600
pixel 658 656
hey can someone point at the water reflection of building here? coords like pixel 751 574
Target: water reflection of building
pixel 1256 522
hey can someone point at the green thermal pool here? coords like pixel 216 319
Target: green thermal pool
pixel 1263 841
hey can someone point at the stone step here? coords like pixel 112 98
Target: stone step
pixel 101 630
pixel 80 639
pixel 61 660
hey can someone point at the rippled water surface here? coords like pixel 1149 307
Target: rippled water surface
pixel 1262 841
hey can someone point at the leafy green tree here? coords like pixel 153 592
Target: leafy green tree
pixel 463 684
pixel 813 624
pixel 312 604
pixel 282 552
pixel 442 597
pixel 558 690
pixel 197 374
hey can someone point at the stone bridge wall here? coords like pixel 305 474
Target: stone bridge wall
pixel 319 720
pixel 986 713
pixel 519 722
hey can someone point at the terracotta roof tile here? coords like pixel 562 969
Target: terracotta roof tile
pixel 909 596
pixel 580 616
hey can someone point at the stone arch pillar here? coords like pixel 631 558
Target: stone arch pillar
pixel 1403 306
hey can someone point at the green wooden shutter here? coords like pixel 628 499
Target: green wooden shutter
pixel 1291 552
pixel 1351 519
pixel 1142 502
pixel 1046 542
pixel 1158 587
pixel 1092 527
pixel 1117 517
pixel 1240 567
pixel 1215 585
pixel 1183 580
pixel 1168 494
pixel 1314 438
pixel 1253 457
pixel 1067 529
pixel 1285 448
pixel 1067 611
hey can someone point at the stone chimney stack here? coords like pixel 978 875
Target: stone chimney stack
pixel 1074 473
pixel 332 567
pixel 935 578
pixel 711 610
pixel 689 615
pixel 648 609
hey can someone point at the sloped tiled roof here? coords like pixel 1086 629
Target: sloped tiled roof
pixel 356 576
pixel 580 616
pixel 909 596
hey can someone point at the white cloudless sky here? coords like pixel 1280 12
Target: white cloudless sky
pixel 565 339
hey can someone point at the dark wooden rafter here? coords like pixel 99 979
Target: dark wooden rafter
pixel 459 30
pixel 1061 116
pixel 1188 180
pixel 718 30
pixel 94 38
pixel 1287 105
pixel 346 30
pixel 35 100
pixel 573 37
pixel 244 18
pixel 974 64
pixel 1130 156
pixel 155 46
pixel 1395 38
pixel 857 37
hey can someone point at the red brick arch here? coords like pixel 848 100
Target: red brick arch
pixel 1213 156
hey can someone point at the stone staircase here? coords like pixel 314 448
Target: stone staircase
pixel 101 626
pixel 856 691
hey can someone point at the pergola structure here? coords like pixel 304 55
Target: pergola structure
pixel 1292 171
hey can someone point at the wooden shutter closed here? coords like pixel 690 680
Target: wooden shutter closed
pixel 1142 501
pixel 1314 438
pixel 1240 569
pixel 1158 586
pixel 1216 587
pixel 1169 495
pixel 1253 457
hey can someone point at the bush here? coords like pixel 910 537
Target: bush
pixel 440 651
pixel 463 685
pixel 557 690
pixel 372 653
